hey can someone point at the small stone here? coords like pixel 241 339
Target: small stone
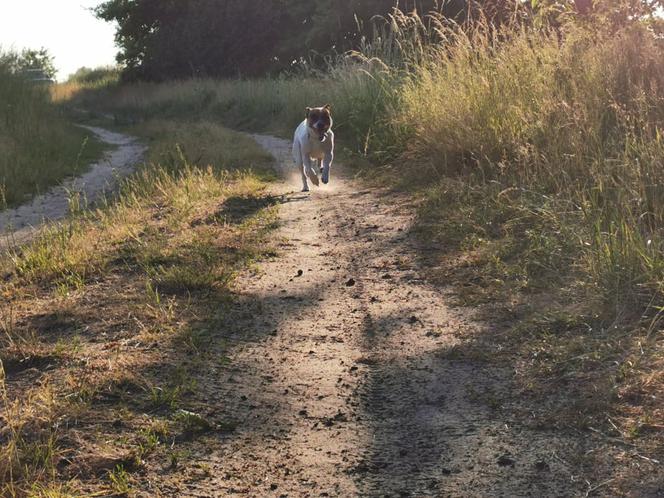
pixel 505 460
pixel 350 282
pixel 341 417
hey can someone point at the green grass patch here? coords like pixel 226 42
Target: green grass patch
pixel 202 143
pixel 39 147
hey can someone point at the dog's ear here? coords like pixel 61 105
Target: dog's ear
pixel 307 110
pixel 328 107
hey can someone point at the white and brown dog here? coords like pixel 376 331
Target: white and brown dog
pixel 314 141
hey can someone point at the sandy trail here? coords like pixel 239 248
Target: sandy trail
pixel 339 375
pixel 20 224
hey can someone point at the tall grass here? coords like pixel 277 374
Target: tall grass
pixel 359 91
pixel 38 147
pixel 576 122
pixel 85 80
pixel 568 125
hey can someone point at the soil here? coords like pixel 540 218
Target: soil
pixel 20 224
pixel 340 379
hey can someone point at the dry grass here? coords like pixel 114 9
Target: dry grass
pixel 538 165
pixel 108 317
pixel 549 208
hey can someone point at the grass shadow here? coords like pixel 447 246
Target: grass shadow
pixel 237 209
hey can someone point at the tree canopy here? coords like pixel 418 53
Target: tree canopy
pixel 162 39
pixel 29 59
pixel 166 39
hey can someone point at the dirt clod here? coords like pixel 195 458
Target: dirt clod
pixel 505 460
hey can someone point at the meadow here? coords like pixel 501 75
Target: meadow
pixel 537 165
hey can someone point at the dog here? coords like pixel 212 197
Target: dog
pixel 314 142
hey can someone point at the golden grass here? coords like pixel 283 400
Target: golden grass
pixel 201 142
pixel 129 292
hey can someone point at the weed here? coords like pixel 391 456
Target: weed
pixel 69 347
pixel 148 440
pixel 120 480
pixel 177 456
pixel 191 422
pixel 165 397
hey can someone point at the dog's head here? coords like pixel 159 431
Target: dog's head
pixel 319 119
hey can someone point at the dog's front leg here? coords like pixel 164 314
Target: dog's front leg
pixel 327 164
pixel 309 169
pixel 299 162
pixel 305 183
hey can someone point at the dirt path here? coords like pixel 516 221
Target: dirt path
pixel 341 379
pixel 20 224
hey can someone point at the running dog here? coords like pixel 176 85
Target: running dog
pixel 314 142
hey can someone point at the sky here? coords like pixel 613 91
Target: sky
pixel 66 28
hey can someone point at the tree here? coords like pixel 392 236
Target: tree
pixel 27 59
pixel 162 39
pixel 339 25
pixel 138 22
pixel 602 14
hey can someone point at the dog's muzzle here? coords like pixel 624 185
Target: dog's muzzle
pixel 321 130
